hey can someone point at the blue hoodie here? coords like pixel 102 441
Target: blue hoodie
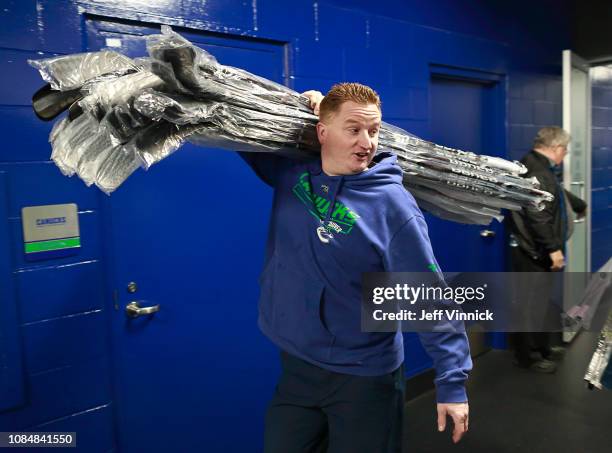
pixel 325 232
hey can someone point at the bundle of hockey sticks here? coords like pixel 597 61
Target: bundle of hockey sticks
pixel 125 114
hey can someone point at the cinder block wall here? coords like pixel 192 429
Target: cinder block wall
pixel 601 240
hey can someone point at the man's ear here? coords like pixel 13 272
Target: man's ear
pixel 321 132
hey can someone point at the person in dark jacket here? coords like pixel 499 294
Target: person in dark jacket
pixel 538 237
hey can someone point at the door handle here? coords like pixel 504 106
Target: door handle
pixel 579 184
pixel 487 233
pixel 134 310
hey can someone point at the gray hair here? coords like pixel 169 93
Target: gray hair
pixel 551 136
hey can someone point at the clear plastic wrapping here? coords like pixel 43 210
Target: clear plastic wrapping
pixel 601 357
pixel 95 152
pixel 116 168
pixel 57 150
pixel 68 72
pixel 452 209
pixel 158 140
pixel 113 91
pixel 138 112
pixel 199 73
pixel 69 141
pixel 122 122
pixel 236 121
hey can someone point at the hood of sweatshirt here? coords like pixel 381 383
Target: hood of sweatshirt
pixel 383 171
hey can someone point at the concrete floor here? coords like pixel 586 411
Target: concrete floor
pixel 514 410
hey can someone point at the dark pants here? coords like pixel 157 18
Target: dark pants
pixel 315 410
pixel 527 342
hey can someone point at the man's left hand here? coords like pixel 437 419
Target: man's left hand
pixel 459 412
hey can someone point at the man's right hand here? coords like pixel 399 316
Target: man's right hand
pixel 558 260
pixel 315 98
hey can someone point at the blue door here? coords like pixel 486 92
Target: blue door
pixel 189 235
pixel 467 113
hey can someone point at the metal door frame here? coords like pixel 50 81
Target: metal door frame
pixel 571 60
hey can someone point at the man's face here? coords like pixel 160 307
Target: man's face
pixel 560 153
pixel 349 138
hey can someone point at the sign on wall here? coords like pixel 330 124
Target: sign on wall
pixel 50 231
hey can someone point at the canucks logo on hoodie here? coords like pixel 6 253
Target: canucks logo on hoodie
pixel 342 218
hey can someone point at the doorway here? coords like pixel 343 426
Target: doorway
pixel 467 113
pixel 188 235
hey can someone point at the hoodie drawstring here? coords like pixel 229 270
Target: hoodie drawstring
pixel 332 200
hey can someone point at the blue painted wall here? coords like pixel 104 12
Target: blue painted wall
pixel 62 334
pixel 601 226
pixel 66 371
